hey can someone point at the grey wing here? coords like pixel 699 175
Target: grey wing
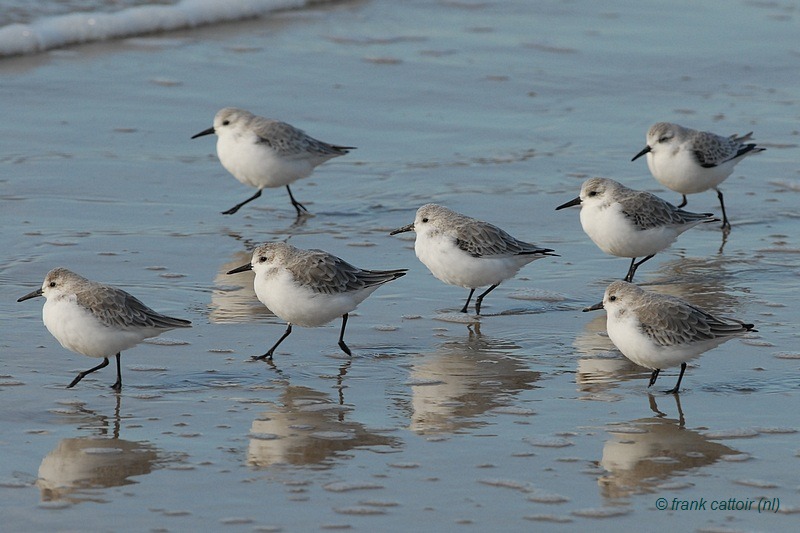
pixel 671 322
pixel 647 210
pixel 724 326
pixel 116 308
pixel 712 150
pixel 290 141
pixel 481 239
pixel 325 273
pixel 687 217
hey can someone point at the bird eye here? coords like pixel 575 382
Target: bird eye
pixel 262 259
pixel 52 284
pixel 592 193
pixel 612 298
pixel 425 219
pixel 226 122
pixel 664 139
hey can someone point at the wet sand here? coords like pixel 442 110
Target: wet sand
pixel 526 418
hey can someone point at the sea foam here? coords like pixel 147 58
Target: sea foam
pixel 85 27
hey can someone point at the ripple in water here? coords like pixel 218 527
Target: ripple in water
pixel 602 512
pixel 342 486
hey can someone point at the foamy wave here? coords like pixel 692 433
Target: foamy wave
pixel 76 28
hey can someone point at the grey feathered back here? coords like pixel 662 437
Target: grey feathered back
pixel 325 273
pixel 671 321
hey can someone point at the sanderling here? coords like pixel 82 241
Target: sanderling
pixel 629 223
pixel 466 252
pixel 659 331
pixel 97 320
pixel 310 287
pixel 265 153
pixel 690 161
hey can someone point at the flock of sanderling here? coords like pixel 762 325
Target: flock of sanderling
pixel 314 287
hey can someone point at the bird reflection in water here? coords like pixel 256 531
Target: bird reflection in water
pixel 645 453
pixel 463 379
pixel 78 468
pixel 233 298
pixel 307 427
pixel 708 282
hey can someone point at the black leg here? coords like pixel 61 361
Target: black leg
pixel 677 385
pixel 648 258
pixel 654 377
pixel 631 269
pixel 118 385
pixel 634 266
pixel 725 223
pixel 471 292
pixel 235 208
pixel 342 345
pixel 297 205
pixel 268 355
pixel 683 203
pixel 480 299
pixel 87 372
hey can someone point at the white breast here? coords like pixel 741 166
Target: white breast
pixel 617 235
pixel 79 331
pixel 681 172
pixel 299 305
pixel 258 165
pixel 452 265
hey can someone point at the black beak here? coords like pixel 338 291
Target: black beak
pixel 640 154
pixel 575 201
pixel 243 268
pixel 404 229
pixel 595 307
pixel 34 294
pixel 209 131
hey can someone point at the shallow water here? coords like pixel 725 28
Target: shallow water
pixel 524 418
